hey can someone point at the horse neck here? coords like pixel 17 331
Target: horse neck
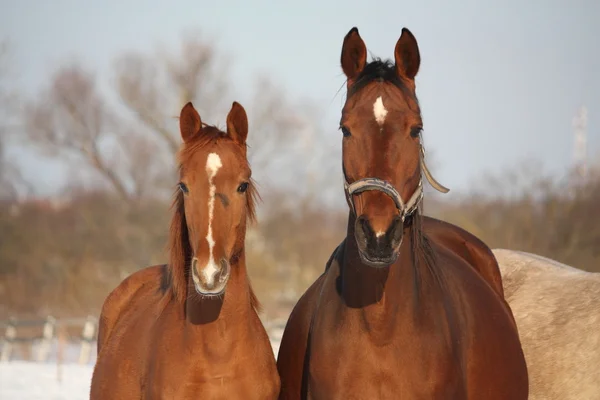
pixel 228 315
pixel 379 296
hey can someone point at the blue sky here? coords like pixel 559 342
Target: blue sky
pixel 500 81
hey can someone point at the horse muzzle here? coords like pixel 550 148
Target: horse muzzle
pixel 378 249
pixel 210 279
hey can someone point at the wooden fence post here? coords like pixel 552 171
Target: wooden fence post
pixel 60 351
pixel 9 337
pixel 87 339
pixel 47 336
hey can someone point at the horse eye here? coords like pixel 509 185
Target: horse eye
pixel 416 131
pixel 345 131
pixel 183 187
pixel 243 187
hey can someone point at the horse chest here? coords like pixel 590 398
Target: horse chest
pixel 349 363
pixel 346 371
pixel 192 379
pixel 227 387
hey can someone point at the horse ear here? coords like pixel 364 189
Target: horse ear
pixel 408 58
pixel 354 55
pixel 189 122
pixel 237 123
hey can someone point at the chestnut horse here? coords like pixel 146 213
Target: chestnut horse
pixel 190 329
pixel 407 307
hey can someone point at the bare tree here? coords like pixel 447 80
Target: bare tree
pixel 75 121
pixel 71 119
pixel 154 87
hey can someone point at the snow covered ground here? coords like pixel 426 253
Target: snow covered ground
pixel 24 380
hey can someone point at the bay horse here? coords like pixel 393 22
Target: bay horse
pixel 408 306
pixel 557 311
pixel 190 329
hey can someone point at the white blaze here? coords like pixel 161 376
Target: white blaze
pixel 379 111
pixel 213 163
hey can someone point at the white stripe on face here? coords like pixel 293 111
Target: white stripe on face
pixel 213 164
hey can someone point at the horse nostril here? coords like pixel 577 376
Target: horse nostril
pixel 223 272
pixel 396 230
pixel 195 265
pixel 361 228
pixel 366 226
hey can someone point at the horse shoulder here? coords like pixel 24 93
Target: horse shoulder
pixel 484 329
pixel 470 248
pixel 117 301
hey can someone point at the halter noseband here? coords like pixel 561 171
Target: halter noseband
pixel 366 184
pixel 405 209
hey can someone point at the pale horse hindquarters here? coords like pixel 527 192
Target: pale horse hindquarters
pixel 557 309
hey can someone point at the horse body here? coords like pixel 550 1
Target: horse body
pixel 558 315
pixel 408 307
pixel 190 329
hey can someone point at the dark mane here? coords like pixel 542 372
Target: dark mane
pixel 422 251
pixel 381 71
pixel 180 251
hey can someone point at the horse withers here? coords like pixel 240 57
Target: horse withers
pixel 408 307
pixel 190 329
pixel 557 309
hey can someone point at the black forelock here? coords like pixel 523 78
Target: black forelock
pixel 381 71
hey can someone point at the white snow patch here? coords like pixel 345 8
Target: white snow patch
pixel 27 380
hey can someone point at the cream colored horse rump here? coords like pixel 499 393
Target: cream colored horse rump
pixel 557 309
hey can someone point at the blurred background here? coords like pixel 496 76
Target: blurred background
pixel 90 91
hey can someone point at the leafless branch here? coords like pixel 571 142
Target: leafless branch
pixel 71 118
pixel 154 87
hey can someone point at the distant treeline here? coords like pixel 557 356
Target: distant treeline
pixel 68 256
